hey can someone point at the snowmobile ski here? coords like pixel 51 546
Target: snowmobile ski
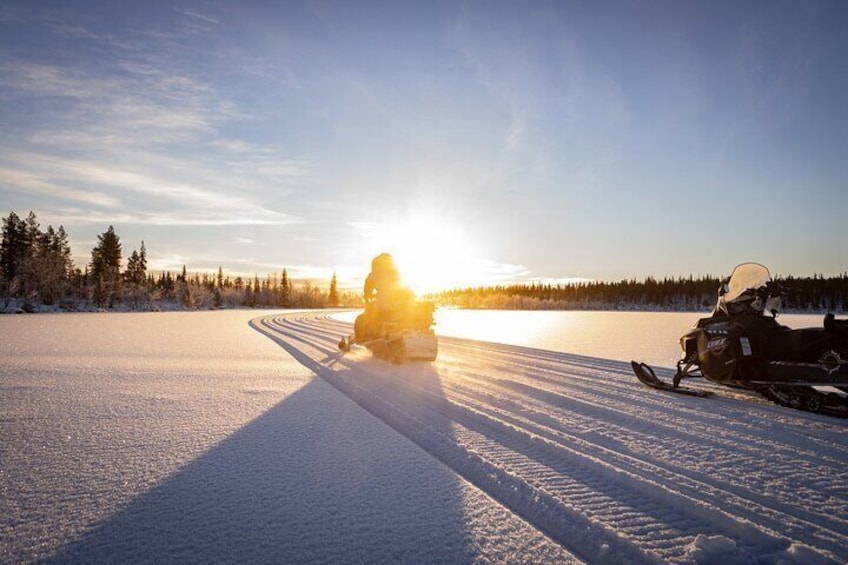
pixel 647 376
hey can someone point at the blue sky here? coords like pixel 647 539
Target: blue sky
pixel 490 141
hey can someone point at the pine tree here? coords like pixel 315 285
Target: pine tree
pixel 29 269
pixel 333 297
pixel 285 290
pixel 249 299
pixel 51 265
pixel 63 249
pixel 13 251
pixel 142 260
pixel 34 265
pixel 135 277
pixel 105 268
pixel 133 274
pixel 217 298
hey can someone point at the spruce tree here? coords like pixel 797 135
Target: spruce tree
pixel 13 251
pixel 333 297
pixel 105 268
pixel 135 277
pixel 29 268
pixel 51 265
pixel 285 290
pixel 63 249
pixel 142 260
pixel 133 272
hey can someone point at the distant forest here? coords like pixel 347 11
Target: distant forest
pixel 37 272
pixel 808 294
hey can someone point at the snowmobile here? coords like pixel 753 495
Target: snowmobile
pixel 742 345
pixel 399 333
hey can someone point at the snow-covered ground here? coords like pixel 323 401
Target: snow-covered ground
pixel 192 437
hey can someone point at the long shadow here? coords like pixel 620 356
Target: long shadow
pixel 411 400
pixel 313 480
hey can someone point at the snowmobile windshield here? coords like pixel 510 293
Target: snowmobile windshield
pixel 745 277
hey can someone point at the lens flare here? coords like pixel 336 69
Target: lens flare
pixel 433 254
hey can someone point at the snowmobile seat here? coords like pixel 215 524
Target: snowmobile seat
pixel 832 325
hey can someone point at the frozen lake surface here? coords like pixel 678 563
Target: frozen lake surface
pixel 652 337
pixel 245 436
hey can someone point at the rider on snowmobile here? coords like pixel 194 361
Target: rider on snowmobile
pixel 386 299
pixel 383 283
pixel 394 325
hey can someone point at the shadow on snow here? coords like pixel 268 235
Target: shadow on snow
pixel 311 480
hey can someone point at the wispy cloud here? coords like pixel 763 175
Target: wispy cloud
pixel 177 218
pixel 261 161
pixel 28 183
pixel 502 273
pixel 551 99
pixel 197 15
pixel 189 203
pixel 196 22
pixel 364 228
pixel 139 104
pixel 129 135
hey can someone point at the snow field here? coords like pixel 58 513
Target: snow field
pixel 608 469
pixel 189 437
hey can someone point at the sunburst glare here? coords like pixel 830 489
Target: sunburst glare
pixel 433 254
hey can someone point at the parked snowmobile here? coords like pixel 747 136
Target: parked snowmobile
pixel 394 325
pixel 741 346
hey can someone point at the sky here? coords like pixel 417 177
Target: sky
pixel 480 142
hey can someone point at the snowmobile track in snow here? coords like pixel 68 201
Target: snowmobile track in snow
pixel 609 469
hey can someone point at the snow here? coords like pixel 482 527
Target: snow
pixel 711 549
pixel 246 436
pixel 190 437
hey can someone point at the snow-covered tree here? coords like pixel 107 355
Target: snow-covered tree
pixel 106 268
pixel 135 277
pixel 285 290
pixel 52 265
pixel 13 251
pixel 333 297
pixel 34 265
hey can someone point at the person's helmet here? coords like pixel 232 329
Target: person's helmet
pixel 383 262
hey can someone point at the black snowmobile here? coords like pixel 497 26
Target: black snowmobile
pixel 741 346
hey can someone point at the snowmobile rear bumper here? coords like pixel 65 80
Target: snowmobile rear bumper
pixel 420 345
pixel 399 346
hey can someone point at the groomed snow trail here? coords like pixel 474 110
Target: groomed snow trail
pixel 610 470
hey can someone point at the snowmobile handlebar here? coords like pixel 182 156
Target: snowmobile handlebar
pixel 771 288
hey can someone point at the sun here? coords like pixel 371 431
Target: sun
pixel 433 254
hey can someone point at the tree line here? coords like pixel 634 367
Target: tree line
pixel 37 269
pixel 806 294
